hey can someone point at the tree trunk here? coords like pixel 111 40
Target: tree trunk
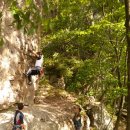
pixel 127 24
pixel 121 100
pixel 119 114
pixel 117 54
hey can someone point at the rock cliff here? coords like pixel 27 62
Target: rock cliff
pixel 13 60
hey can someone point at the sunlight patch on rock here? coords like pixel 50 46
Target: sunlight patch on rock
pixel 6 92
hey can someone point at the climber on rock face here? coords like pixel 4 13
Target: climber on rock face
pixel 19 118
pixel 37 69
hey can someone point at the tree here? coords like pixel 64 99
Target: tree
pixel 127 24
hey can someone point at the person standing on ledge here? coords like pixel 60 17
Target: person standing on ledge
pixel 77 118
pixel 19 118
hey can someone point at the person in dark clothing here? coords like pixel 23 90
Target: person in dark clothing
pixel 90 114
pixel 77 118
pixel 19 118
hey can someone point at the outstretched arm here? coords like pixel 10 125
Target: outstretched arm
pixel 34 53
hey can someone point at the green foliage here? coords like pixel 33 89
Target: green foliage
pixel 61 65
pixel 26 17
pixel 115 93
pixel 82 100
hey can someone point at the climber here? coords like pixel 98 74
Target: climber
pixel 37 69
pixel 19 118
pixel 77 118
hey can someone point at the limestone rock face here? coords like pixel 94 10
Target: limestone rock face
pixel 98 114
pixel 102 118
pixel 13 60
